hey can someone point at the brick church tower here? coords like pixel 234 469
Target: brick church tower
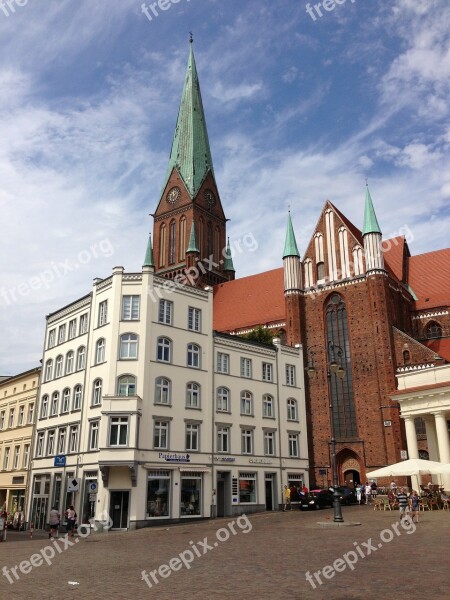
pixel 189 231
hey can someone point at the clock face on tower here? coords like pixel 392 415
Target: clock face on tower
pixel 210 198
pixel 173 194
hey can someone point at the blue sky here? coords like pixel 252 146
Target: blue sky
pixel 298 110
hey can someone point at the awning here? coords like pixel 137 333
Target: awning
pixel 195 469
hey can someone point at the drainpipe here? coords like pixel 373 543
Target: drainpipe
pixel 277 346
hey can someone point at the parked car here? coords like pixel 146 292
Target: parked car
pixel 346 495
pixel 316 499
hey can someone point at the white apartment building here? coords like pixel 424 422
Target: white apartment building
pixel 152 417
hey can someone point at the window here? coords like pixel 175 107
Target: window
pixel 406 357
pixel 128 346
pixel 73 438
pixel 223 399
pixel 433 330
pixel 97 392
pixel 69 362
pixel 267 371
pixel 191 494
pixel 162 391
pixel 51 338
pixel 192 395
pixel 2 420
pixel 269 443
pixel 223 439
pixel 290 375
pixel 93 435
pixel 62 441
pixel 11 418
pixel 292 412
pixel 194 319
pixel 293 445
pixel 165 312
pixel 193 356
pixel 158 494
pixel 164 350
pixel 172 242
pixel 247 488
pixel 223 362
pixel 66 401
pixel 59 366
pixel 192 436
pixel 48 369
pixel 77 395
pixel 44 406
pixel 83 323
pixel 268 406
pixel 6 458
pixel 51 442
pixel 16 457
pixel 103 313
pixel 61 334
pixel 40 444
pixel 320 269
pixel 54 404
pixel 81 358
pixel 247 441
pixel 100 351
pixel 160 435
pixel 72 329
pixel 131 308
pixel 26 456
pixel 127 385
pixel 21 418
pixel 246 367
pixel 31 413
pixel 246 403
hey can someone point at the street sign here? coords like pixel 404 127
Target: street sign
pixel 74 485
pixel 92 497
pixel 92 487
pixel 60 460
pixel 403 454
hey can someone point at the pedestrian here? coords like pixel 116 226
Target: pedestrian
pixel 287 498
pixel 402 499
pixel 368 492
pixel 414 505
pixel 374 489
pixel 54 520
pixel 71 517
pixel 393 486
pixel 358 493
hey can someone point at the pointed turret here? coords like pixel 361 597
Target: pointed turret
pixel 148 260
pixel 192 252
pixel 192 246
pixel 191 154
pixel 228 266
pixel 291 261
pixel 372 237
pixel 290 245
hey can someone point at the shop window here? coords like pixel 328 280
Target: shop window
pixel 158 494
pixel 191 494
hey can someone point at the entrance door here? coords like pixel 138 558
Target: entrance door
pixel 39 512
pixel 118 509
pixel 269 492
pixel 220 496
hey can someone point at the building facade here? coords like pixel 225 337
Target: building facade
pixel 17 417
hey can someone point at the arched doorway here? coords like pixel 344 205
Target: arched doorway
pixel 349 468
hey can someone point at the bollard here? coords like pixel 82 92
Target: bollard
pixel 31 530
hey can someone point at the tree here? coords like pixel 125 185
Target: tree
pixel 260 335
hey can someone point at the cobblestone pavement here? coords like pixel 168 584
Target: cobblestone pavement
pixel 270 561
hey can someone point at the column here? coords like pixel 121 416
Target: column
pixel 430 430
pixel 413 450
pixel 443 443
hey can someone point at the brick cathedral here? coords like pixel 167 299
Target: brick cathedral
pixel 361 308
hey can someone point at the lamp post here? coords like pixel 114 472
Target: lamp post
pixel 333 368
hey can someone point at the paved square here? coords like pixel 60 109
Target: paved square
pixel 267 562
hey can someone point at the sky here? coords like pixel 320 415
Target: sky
pixel 302 105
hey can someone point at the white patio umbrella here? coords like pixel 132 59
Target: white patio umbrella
pixel 441 469
pixel 413 466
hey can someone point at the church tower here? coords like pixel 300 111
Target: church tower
pixel 292 286
pixel 189 231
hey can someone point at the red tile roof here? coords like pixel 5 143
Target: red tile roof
pixel 393 254
pixel 441 346
pixel 429 278
pixel 420 388
pixel 250 301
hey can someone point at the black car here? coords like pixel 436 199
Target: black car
pixel 347 495
pixel 316 499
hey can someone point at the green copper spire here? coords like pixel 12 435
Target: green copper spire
pixel 148 261
pixel 370 218
pixel 290 245
pixel 190 153
pixel 192 246
pixel 228 262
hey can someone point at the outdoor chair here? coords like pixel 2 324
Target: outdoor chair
pixel 378 504
pixel 423 504
pixel 386 504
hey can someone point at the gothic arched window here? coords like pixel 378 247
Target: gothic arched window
pixel 172 242
pixel 162 244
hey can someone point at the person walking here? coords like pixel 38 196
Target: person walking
pixel 368 492
pixel 402 499
pixel 287 498
pixel 54 520
pixel 359 493
pixel 71 517
pixel 414 505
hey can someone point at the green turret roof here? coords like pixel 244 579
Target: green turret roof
pixel 192 246
pixel 228 262
pixel 290 245
pixel 148 260
pixel 370 218
pixel 190 153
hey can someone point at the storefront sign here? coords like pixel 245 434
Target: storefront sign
pixel 60 460
pixel 260 461
pixel 175 457
pixel 225 459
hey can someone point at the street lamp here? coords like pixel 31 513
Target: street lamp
pixel 333 368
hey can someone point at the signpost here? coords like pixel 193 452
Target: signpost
pixel 60 460
pixel 74 485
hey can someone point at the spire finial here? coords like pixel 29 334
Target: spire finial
pixel 289 208
pixel 367 182
pixel 191 37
